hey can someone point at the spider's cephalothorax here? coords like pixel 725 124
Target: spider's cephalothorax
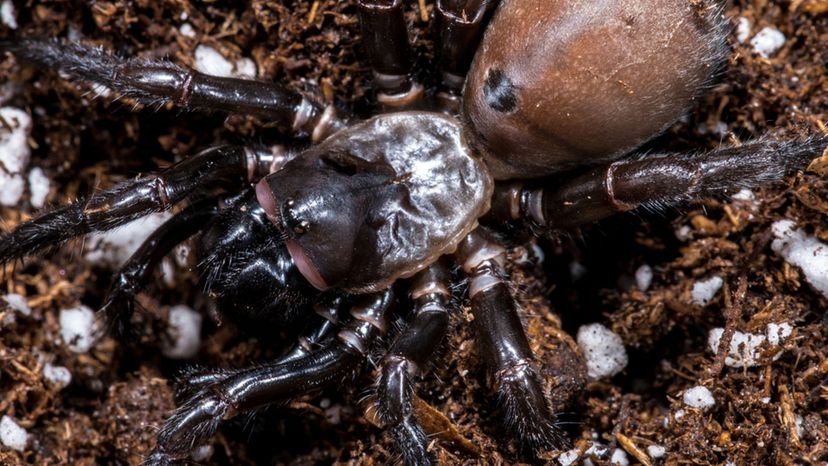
pixel 554 86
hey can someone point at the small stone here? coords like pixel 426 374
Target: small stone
pixel 742 29
pixel 18 303
pixel 804 251
pixel 568 457
pixel 202 453
pixel 644 277
pixel 778 333
pixel 619 458
pixel 187 30
pixel 184 332
pixel 699 397
pixel 744 347
pixel 39 186
pixel 7 14
pixel 656 451
pixel 705 290
pixel 57 375
pixel 78 328
pixel 767 42
pixel 12 435
pixel 603 349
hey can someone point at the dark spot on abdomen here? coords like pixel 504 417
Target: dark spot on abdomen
pixel 500 91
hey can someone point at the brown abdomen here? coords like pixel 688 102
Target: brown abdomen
pixel 561 83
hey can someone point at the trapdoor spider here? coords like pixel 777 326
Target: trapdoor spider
pixel 553 88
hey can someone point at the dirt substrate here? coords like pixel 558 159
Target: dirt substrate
pixel 770 413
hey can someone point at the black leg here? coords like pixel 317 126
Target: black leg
pixel 155 82
pixel 134 275
pixel 409 354
pixel 329 309
pixel 504 345
pixel 460 25
pixel 317 335
pixel 243 391
pixel 217 166
pixel 385 37
pixel 656 182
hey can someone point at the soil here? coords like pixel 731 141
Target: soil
pixel 771 413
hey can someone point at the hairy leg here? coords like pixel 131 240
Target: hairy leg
pixel 155 82
pixel 655 182
pixel 134 275
pixel 243 391
pixel 317 335
pixel 221 166
pixel 504 345
pixel 411 351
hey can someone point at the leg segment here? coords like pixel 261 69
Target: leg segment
pixel 134 275
pixel 460 25
pixel 329 309
pixel 407 357
pixel 386 42
pixel 315 337
pixel 217 166
pixel 504 344
pixel 243 391
pixel 156 82
pixel 656 182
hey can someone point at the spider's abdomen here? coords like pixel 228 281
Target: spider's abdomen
pixel 562 83
pixel 378 201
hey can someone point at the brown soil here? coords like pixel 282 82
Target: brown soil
pixel 120 393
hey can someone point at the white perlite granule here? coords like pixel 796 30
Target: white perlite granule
pixel 202 453
pixel 39 185
pixel 619 458
pixel 705 290
pixel 603 349
pixel 778 333
pixel 643 277
pixel 57 375
pixel 8 15
pixel 656 451
pixel 12 435
pixel 699 397
pixel 78 328
pixel 745 348
pixel 114 247
pixel 14 154
pixel 18 303
pixel 742 29
pixel 209 61
pixel 184 333
pixel 767 42
pixel 568 457
pixel 803 251
pixel 187 30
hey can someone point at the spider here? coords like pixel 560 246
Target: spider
pixel 538 117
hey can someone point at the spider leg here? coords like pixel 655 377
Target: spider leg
pixel 156 82
pixel 243 391
pixel 411 351
pixel 385 38
pixel 127 201
pixel 504 345
pixel 655 182
pixel 317 334
pixel 460 25
pixel 136 272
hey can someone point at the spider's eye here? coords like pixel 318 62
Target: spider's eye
pixel 292 219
